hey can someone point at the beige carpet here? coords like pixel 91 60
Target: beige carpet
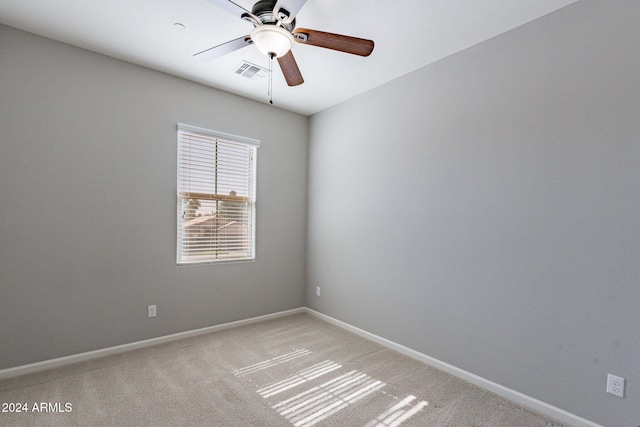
pixel 296 370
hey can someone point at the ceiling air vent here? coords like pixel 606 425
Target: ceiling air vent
pixel 250 71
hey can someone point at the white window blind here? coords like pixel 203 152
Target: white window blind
pixel 216 196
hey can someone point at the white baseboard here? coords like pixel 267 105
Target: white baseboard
pixel 512 395
pixel 82 357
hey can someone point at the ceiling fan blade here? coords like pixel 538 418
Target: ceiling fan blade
pixel 347 44
pixel 224 48
pixel 229 6
pixel 235 9
pixel 290 69
pixel 286 10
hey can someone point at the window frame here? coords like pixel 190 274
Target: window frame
pixel 185 192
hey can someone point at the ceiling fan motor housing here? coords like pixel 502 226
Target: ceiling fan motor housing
pixel 263 9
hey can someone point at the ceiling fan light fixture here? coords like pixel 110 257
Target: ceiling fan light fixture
pixel 272 40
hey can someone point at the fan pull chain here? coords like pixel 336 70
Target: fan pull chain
pixel 271 79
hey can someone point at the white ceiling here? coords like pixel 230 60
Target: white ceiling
pixel 409 34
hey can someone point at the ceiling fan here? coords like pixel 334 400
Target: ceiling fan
pixel 274 33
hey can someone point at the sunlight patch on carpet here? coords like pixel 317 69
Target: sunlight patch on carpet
pixel 313 403
pixel 298 378
pixel 398 413
pixel 270 362
pixel 318 403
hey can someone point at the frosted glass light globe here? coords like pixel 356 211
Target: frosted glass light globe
pixel 272 40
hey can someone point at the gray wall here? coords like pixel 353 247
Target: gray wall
pixel 485 210
pixel 87 204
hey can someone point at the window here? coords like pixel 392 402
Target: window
pixel 216 196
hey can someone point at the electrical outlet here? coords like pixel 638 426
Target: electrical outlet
pixel 615 385
pixel 318 291
pixel 151 311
